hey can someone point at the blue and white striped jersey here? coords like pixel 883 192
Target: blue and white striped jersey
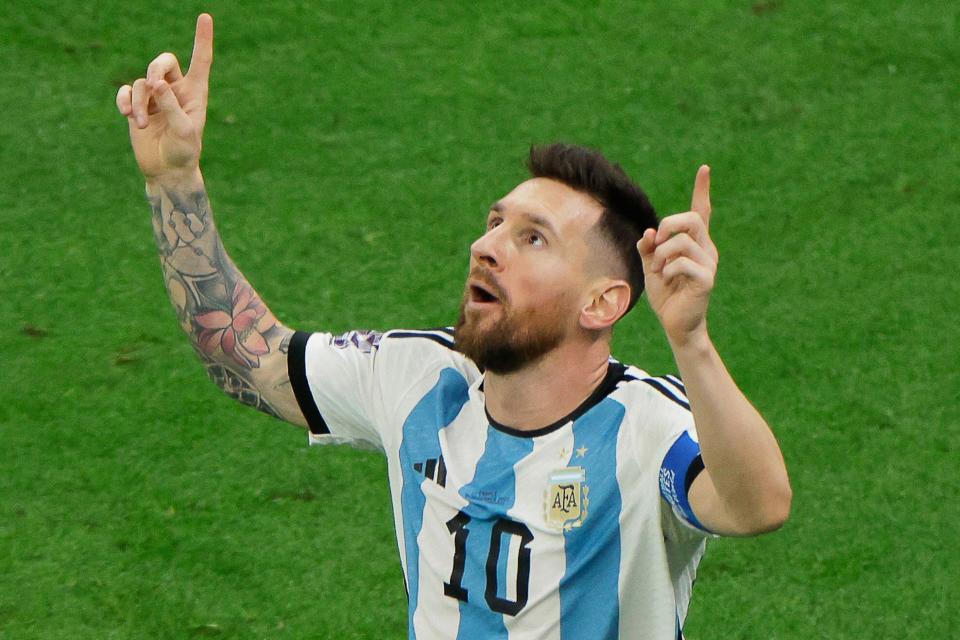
pixel 578 530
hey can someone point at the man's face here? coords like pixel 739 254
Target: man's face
pixel 529 275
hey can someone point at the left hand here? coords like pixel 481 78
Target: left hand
pixel 680 264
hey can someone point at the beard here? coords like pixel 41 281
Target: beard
pixel 511 341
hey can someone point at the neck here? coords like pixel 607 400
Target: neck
pixel 550 388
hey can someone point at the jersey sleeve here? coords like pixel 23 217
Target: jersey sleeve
pixel 679 456
pixel 357 388
pixel 334 379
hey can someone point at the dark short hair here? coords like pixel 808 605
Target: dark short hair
pixel 627 211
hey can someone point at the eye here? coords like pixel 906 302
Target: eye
pixel 535 239
pixel 493 222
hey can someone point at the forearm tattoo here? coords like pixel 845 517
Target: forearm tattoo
pixel 230 327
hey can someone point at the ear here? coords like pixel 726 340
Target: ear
pixel 608 303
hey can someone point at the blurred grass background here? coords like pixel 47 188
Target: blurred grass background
pixel 350 154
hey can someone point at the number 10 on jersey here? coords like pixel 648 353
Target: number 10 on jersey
pixel 503 530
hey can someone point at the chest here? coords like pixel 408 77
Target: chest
pixel 494 523
pixel 457 467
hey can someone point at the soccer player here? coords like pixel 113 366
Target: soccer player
pixel 541 488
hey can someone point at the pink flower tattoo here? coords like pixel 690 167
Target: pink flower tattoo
pixel 238 334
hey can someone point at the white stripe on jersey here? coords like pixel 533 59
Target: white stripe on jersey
pixel 636 560
pixel 436 611
pixel 679 558
pixel 542 614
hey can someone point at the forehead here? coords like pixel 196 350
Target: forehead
pixel 566 209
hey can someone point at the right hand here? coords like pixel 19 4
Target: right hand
pixel 167 110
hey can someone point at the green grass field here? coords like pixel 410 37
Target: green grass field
pixel 350 155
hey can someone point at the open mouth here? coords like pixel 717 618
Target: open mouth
pixel 480 293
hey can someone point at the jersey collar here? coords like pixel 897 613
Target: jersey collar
pixel 616 373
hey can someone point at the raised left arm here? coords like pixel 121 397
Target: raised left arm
pixel 744 488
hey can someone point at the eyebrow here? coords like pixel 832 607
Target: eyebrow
pixel 534 218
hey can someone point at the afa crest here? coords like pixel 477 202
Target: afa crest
pixel 567 498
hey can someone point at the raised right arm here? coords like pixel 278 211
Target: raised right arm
pixel 239 340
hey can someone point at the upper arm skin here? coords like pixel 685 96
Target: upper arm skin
pixel 267 387
pixel 711 512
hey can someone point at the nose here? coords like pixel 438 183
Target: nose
pixel 486 250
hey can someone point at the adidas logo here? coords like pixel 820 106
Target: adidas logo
pixel 433 468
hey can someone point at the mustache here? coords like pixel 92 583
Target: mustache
pixel 486 278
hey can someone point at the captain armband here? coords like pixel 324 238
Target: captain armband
pixel 678 470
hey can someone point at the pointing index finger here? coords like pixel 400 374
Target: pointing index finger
pixel 701 194
pixel 202 56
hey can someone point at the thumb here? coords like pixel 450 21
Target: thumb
pixel 179 121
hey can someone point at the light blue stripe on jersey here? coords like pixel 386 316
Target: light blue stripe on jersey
pixel 421 441
pixel 589 590
pixel 491 494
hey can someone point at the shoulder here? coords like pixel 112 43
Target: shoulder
pixel 429 345
pixel 656 407
pixel 639 389
pixel 362 380
pixel 397 352
pixel 421 339
pixel 422 354
pixel 369 341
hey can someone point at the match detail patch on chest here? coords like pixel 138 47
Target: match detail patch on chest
pixel 567 498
